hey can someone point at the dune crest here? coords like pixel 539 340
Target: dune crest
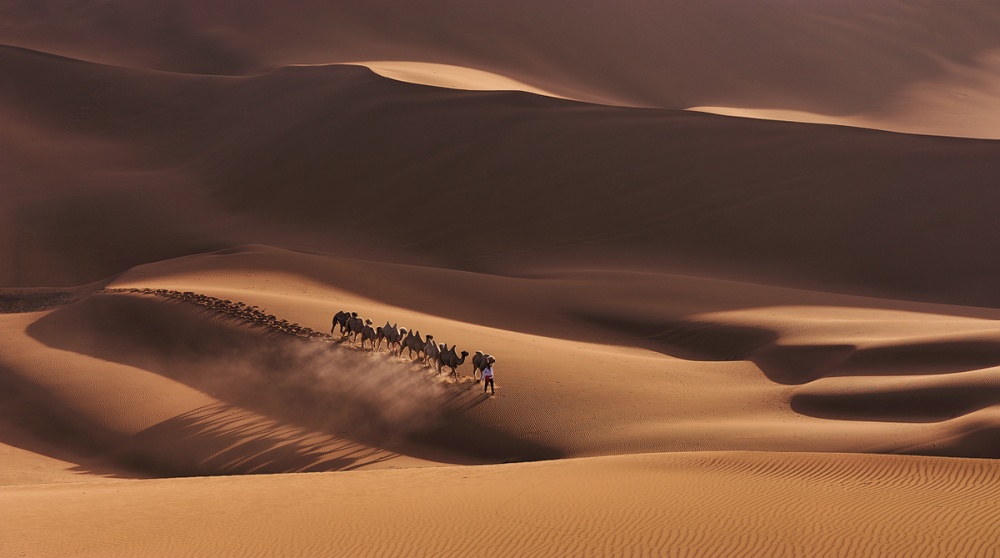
pixel 449 76
pixel 852 58
pixel 960 102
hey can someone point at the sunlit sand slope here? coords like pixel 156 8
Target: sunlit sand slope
pixel 588 366
pixel 198 383
pixel 742 504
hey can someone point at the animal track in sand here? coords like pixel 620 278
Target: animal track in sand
pixel 237 309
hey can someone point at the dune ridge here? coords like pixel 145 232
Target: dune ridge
pixel 769 202
pixel 921 66
pixel 791 343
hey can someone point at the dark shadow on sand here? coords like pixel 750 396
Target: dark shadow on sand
pixel 372 400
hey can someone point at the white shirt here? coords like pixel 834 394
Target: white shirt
pixel 488 372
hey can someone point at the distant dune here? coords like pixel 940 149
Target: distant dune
pixel 338 159
pixel 711 331
pixel 922 66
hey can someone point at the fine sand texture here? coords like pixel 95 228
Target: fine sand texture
pixel 733 261
pixel 701 504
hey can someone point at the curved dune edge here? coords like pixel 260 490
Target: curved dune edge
pixel 240 138
pixel 944 122
pixel 587 366
pixel 921 67
pixel 705 504
pixel 449 76
pixel 965 111
pixel 274 396
pixel 959 102
pixel 67 416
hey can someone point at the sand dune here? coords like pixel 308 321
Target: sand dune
pixel 921 66
pixel 590 367
pixel 445 75
pixel 702 504
pixel 705 326
pixel 563 182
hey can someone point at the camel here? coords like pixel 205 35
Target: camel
pixel 355 324
pixel 413 343
pixel 393 336
pixel 450 359
pixel 368 333
pixel 340 318
pixel 431 353
pixel 481 361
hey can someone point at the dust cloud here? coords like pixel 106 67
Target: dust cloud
pixel 371 396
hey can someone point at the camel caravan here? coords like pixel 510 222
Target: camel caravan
pixel 357 330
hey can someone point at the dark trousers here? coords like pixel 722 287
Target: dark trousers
pixel 488 380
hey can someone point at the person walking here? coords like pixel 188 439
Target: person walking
pixel 488 379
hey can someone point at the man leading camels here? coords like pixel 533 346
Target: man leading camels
pixel 488 380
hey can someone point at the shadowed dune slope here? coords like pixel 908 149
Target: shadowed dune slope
pixel 340 160
pixel 589 366
pixel 369 400
pixel 922 65
pixel 594 363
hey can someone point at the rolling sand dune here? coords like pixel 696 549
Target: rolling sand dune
pixel 712 333
pixel 824 207
pixel 923 66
